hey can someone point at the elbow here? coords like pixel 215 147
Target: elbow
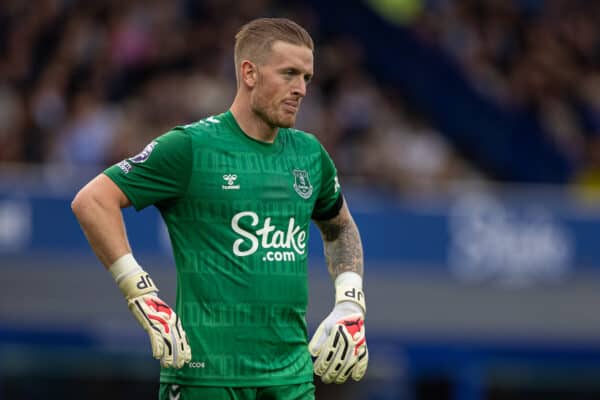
pixel 98 196
pixel 78 203
pixel 86 202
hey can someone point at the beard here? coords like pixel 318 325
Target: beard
pixel 270 115
pixel 269 111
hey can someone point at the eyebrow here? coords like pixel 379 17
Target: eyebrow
pixel 307 75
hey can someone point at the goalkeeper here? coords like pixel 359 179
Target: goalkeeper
pixel 237 192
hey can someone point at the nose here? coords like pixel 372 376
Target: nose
pixel 299 88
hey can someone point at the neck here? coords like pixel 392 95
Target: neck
pixel 252 125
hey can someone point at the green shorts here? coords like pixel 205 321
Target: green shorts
pixel 299 391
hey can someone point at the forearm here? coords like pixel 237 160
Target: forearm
pixel 344 254
pixel 344 326
pixel 98 209
pixel 342 244
pixel 101 220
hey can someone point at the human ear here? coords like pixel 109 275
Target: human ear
pixel 249 73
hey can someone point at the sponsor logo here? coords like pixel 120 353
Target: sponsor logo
pixel 196 364
pixel 230 178
pixel 493 241
pixel 337 185
pixel 302 184
pixel 125 166
pixel 287 243
pixel 145 282
pixel 144 154
pixel 355 294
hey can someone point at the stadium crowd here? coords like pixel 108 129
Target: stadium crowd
pixel 536 56
pixel 90 83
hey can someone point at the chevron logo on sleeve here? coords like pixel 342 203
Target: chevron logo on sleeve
pixel 174 392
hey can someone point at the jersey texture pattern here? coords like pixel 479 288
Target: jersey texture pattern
pixel 238 213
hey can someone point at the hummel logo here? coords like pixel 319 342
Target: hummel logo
pixel 174 392
pixel 230 178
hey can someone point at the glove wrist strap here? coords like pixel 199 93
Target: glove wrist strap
pixel 348 287
pixel 131 278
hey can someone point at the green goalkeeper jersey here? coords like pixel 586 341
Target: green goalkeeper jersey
pixel 238 212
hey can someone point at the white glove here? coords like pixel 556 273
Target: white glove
pixel 167 337
pixel 339 343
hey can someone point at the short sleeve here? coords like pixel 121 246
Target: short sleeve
pixel 160 172
pixel 330 200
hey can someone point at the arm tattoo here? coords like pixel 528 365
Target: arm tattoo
pixel 341 243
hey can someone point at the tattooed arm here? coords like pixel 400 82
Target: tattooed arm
pixel 345 325
pixel 341 242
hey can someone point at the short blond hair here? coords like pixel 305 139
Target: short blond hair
pixel 254 40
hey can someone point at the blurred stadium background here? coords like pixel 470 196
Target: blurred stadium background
pixel 467 135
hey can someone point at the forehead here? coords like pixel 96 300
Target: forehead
pixel 285 54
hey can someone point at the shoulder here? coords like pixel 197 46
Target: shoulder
pixel 301 138
pixel 203 128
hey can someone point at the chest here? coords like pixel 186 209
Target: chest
pixel 242 176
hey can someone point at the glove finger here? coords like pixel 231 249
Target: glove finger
pixel 187 349
pixel 318 339
pixel 184 354
pixel 154 334
pixel 343 358
pixel 351 365
pixel 183 357
pixel 343 376
pixel 161 343
pixel 179 361
pixel 361 366
pixel 156 341
pixel 337 371
pixel 179 353
pixel 187 355
pixel 167 356
pixel 326 353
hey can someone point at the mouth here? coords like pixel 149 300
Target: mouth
pixel 291 106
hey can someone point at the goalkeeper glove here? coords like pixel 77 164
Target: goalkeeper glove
pixel 167 337
pixel 339 344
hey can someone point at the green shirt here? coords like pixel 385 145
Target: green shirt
pixel 238 212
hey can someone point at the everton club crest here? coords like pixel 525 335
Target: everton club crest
pixel 302 184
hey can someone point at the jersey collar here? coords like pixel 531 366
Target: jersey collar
pixel 260 146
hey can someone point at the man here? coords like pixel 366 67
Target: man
pixel 237 192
